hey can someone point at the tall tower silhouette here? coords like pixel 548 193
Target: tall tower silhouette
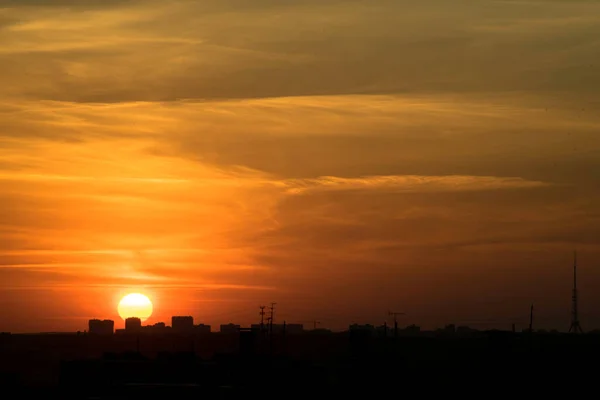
pixel 575 327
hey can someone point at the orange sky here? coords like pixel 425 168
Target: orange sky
pixel 340 158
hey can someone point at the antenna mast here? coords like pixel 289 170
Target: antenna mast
pixel 262 318
pixel 575 327
pixel 272 315
pixel 395 315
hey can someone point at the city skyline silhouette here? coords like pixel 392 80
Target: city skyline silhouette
pixel 178 322
pixel 301 198
pixel 133 305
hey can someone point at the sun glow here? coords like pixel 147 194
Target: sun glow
pixel 135 305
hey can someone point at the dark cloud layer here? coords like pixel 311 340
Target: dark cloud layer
pixel 306 49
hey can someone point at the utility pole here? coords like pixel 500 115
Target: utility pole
pixel 272 309
pixel 262 318
pixel 395 315
pixel 531 319
pixel 284 338
pixel 270 319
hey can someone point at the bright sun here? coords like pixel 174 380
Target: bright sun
pixel 135 305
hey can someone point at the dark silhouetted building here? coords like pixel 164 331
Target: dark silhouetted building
pixel 320 331
pixel 229 328
pixel 281 328
pixel 367 328
pixel 294 328
pixel 159 327
pixel 259 327
pixel 411 330
pixel 182 324
pixel 101 327
pixel 248 341
pixel 450 329
pixel 133 324
pixel 384 331
pixel 202 329
pixel 466 331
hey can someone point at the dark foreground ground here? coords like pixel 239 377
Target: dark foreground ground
pixel 490 365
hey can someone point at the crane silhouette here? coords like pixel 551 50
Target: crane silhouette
pixel 395 315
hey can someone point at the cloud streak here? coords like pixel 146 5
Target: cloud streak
pixel 408 184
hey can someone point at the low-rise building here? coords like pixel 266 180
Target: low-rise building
pixel 229 328
pixel 101 327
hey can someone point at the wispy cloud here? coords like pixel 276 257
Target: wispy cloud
pixel 407 183
pixel 78 287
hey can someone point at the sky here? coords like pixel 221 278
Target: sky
pixel 342 159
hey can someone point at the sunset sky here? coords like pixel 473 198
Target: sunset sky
pixel 339 158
